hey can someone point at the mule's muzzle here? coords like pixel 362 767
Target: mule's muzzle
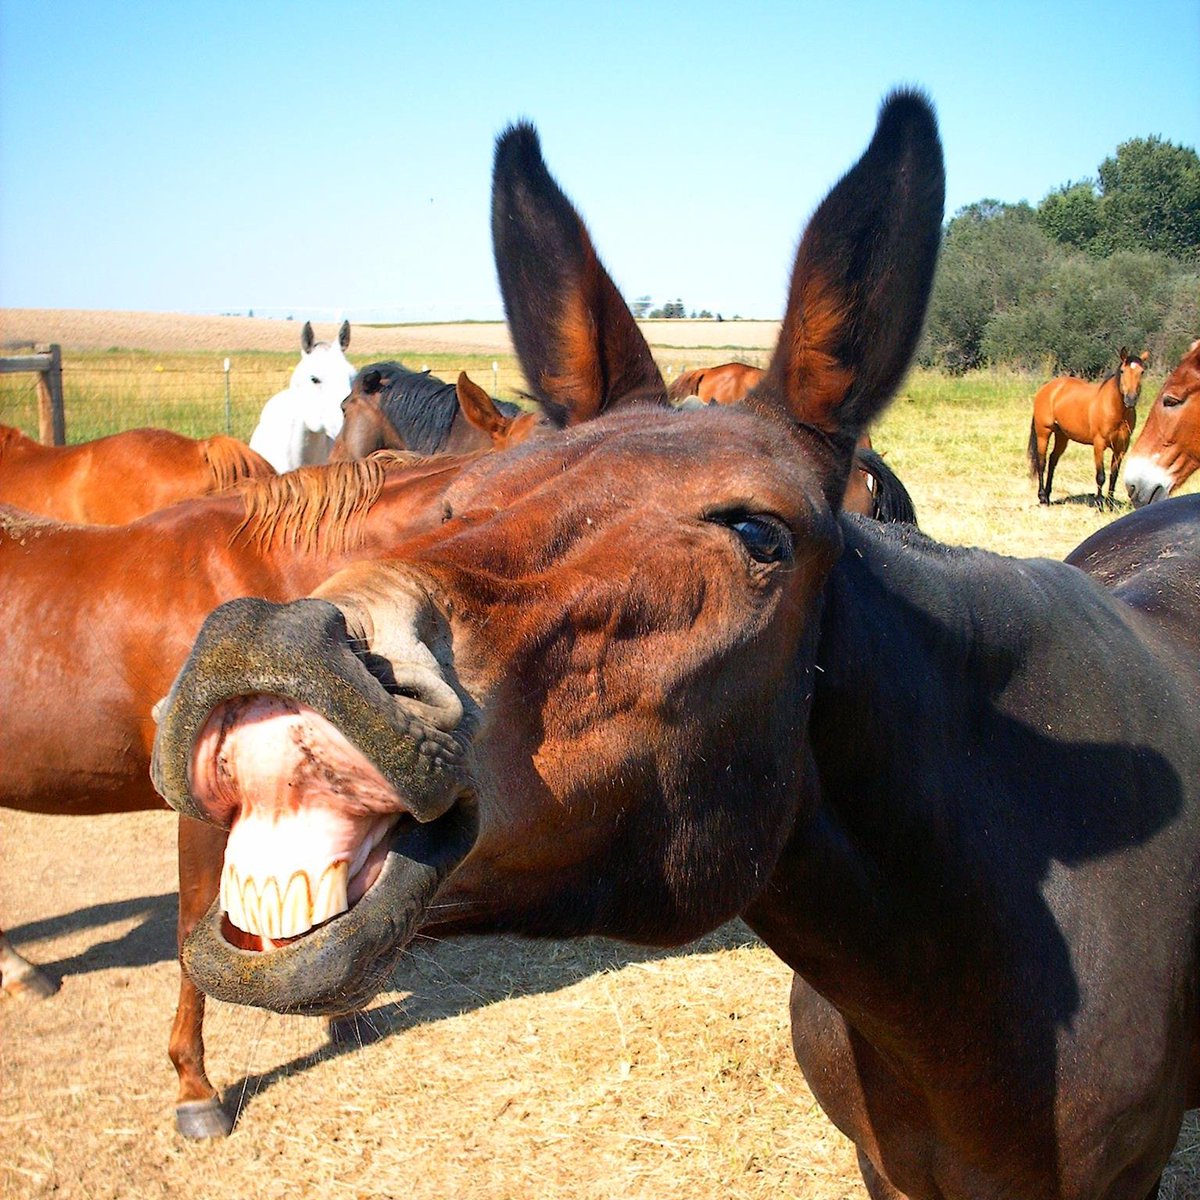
pixel 304 652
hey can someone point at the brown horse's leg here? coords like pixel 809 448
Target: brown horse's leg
pixel 1039 440
pixel 1060 444
pixel 198 1109
pixel 1118 454
pixel 19 977
pixel 1099 445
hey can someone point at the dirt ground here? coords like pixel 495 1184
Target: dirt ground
pixel 493 1068
pixel 76 329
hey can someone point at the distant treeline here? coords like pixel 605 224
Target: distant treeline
pixel 1097 265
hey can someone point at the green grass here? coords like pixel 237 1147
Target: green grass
pixel 958 442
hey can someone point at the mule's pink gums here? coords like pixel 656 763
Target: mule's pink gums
pixel 308 813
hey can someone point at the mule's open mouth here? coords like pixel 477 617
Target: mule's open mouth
pixel 327 867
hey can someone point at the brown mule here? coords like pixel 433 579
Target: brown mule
pixel 645 676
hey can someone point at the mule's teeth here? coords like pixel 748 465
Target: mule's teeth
pixel 296 915
pixel 331 892
pixel 251 921
pixel 231 896
pixel 270 910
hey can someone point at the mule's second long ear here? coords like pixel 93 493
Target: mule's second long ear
pixel 861 283
pixel 307 338
pixel 578 343
pixel 344 335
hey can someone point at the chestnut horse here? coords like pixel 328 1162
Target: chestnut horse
pixel 1101 415
pixel 1168 448
pixel 650 679
pixel 725 384
pixel 393 408
pixel 121 477
pixel 91 645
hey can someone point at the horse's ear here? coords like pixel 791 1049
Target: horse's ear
pixel 578 343
pixel 1145 357
pixel 479 408
pixel 371 382
pixel 307 341
pixel 344 335
pixel 1123 354
pixel 860 285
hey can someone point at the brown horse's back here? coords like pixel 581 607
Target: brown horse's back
pixel 726 384
pixel 121 477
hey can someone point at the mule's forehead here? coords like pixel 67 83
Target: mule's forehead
pixel 720 456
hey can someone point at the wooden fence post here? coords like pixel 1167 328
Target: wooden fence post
pixel 52 419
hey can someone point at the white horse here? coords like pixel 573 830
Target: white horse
pixel 297 426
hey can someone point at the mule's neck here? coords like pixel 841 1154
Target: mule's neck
pixel 947 752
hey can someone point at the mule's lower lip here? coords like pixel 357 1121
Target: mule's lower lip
pixel 337 967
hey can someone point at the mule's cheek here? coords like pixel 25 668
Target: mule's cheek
pixel 309 815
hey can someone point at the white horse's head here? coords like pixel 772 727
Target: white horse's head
pixel 322 380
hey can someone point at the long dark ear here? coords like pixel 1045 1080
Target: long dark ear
pixel 578 343
pixel 307 341
pixel 860 286
pixel 344 335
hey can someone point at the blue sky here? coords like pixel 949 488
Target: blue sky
pixel 334 159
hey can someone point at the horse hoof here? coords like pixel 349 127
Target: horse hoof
pixel 199 1119
pixel 31 985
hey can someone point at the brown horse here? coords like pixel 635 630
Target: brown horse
pixel 1168 448
pixel 98 620
pixel 121 477
pixel 393 408
pixel 650 679
pixel 1101 415
pixel 726 384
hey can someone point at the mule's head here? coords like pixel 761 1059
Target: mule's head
pixel 580 705
pixel 1129 375
pixel 1167 450
pixel 365 426
pixel 322 379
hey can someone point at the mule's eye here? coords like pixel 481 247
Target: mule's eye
pixel 1171 401
pixel 314 379
pixel 767 539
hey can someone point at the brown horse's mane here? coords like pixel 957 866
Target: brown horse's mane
pixel 230 461
pixel 9 435
pixel 317 507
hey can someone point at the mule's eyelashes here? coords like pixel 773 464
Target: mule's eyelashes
pixel 767 539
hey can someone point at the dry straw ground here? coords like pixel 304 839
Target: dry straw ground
pixel 493 1067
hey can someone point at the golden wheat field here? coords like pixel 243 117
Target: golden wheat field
pixel 491 1067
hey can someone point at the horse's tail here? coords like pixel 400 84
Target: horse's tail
pixel 1032 450
pixel 685 385
pixel 231 461
pixel 891 501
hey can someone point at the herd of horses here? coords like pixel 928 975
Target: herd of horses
pixel 645 659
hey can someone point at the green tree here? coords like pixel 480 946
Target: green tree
pixel 1071 215
pixel 993 256
pixel 1150 199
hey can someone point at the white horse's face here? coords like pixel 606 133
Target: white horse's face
pixel 321 381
